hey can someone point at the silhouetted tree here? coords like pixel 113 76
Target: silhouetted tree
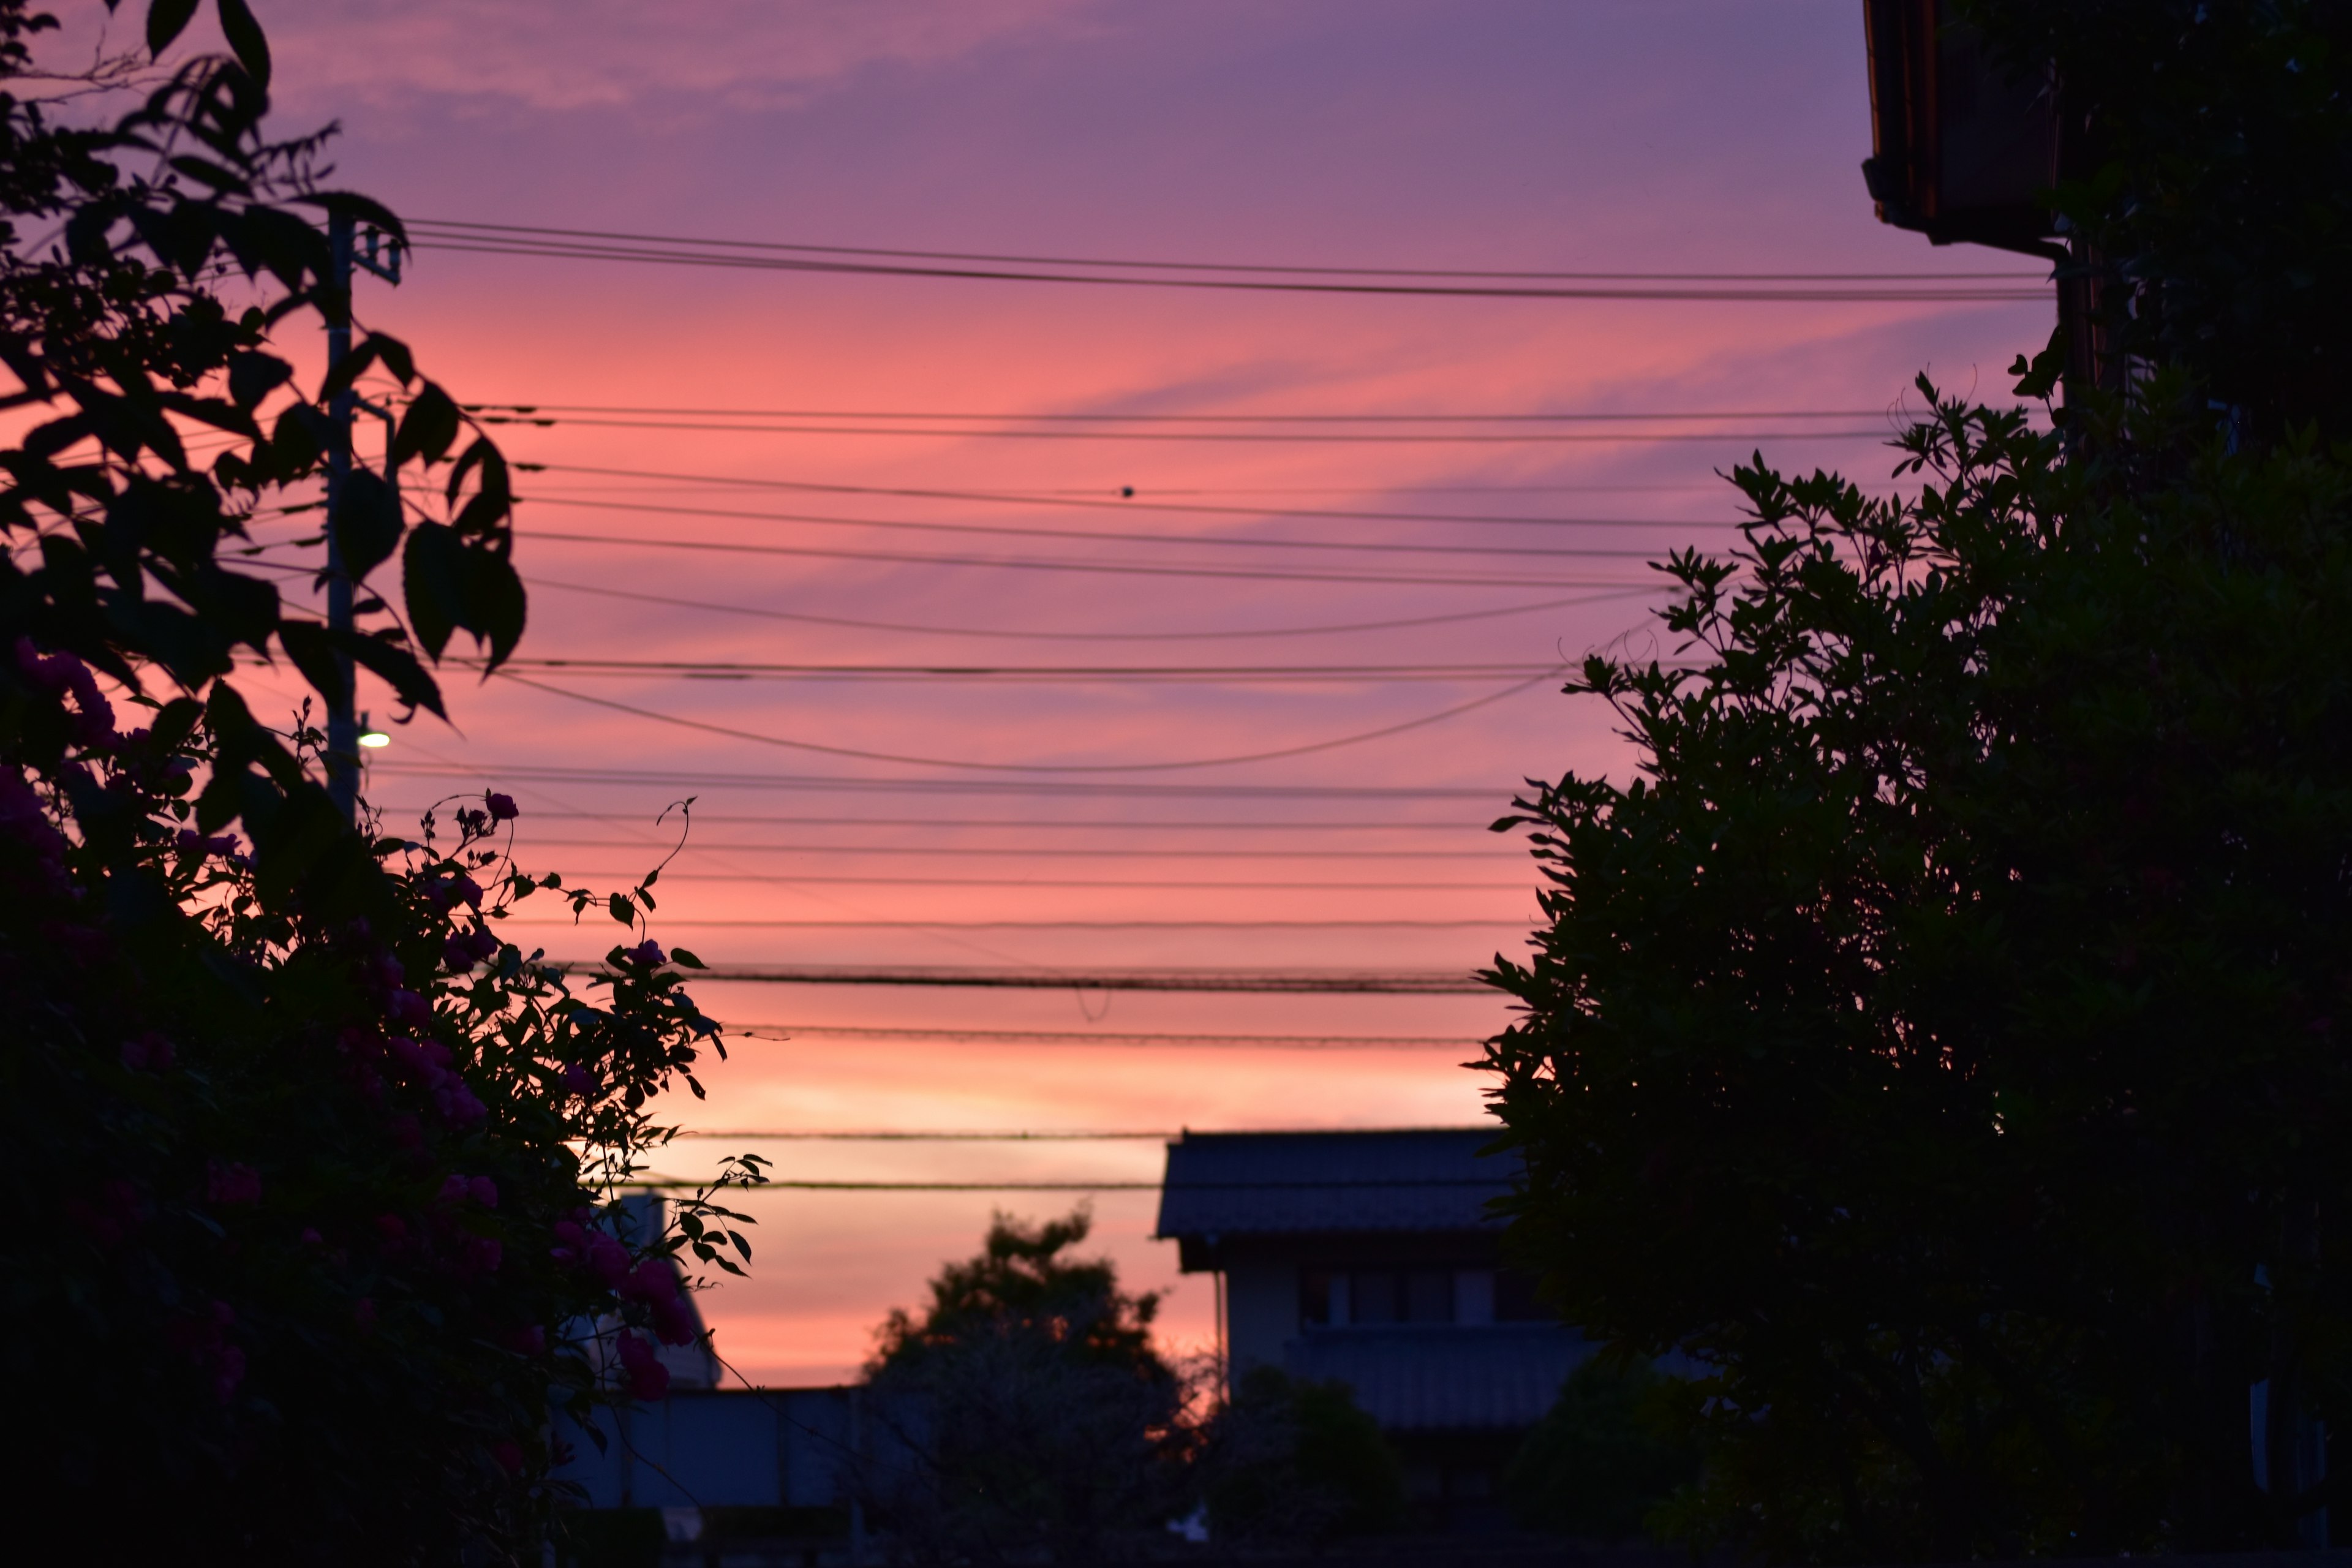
pixel 1053 1426
pixel 316 1161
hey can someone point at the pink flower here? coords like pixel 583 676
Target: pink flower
pixel 467 949
pixel 502 807
pixel 458 1102
pixel 149 1052
pixel 229 1183
pixel 483 1191
pixel 392 1229
pixel 310 1238
pixel 578 1079
pixel 93 724
pixel 674 1322
pixel 647 952
pixel 609 1258
pixel 483 1255
pixel 509 1456
pixel 651 1281
pixel 648 1379
pixel 408 1010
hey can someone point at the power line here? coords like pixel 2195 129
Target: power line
pixel 680 1184
pixel 756 738
pixel 1028 563
pixel 1117 503
pixel 1122 884
pixel 1028 852
pixel 1018 562
pixel 1516 923
pixel 778 1183
pixel 797 1135
pixel 1023 260
pixel 1051 824
pixel 862 783
pixel 1224 981
pixel 1399 624
pixel 1018 531
pixel 1008 417
pixel 588 245
pixel 719 670
pixel 1386 439
pixel 787 1031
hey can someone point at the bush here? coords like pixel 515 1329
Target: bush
pixel 325 1163
pixel 1605 1457
pixel 1291 1461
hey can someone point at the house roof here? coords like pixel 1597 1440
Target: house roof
pixel 1444 1379
pixel 1225 1185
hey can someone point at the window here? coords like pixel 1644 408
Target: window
pixel 1429 1296
pixel 1315 1296
pixel 1372 1297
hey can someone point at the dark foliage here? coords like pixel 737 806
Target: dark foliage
pixel 1939 1037
pixel 319 1161
pixel 2217 192
pixel 1290 1462
pixel 1607 1457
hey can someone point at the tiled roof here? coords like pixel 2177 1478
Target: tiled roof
pixel 1444 1379
pixel 1226 1184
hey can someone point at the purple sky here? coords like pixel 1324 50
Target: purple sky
pixel 1553 134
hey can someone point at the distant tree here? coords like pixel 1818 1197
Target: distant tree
pixel 314 1163
pixel 1289 1462
pixel 1052 1426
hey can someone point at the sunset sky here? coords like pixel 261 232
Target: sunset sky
pixel 1628 136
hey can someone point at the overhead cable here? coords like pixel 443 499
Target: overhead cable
pixel 1058 674
pixel 536 581
pixel 1122 884
pixel 1040 852
pixel 1032 563
pixel 819 1135
pixel 1002 530
pixel 1385 439
pixel 1044 825
pixel 587 245
pixel 1095 503
pixel 2011 274
pixel 1251 982
pixel 1271 754
pixel 779 1034
pixel 868 784
pixel 1519 923
pixel 1013 416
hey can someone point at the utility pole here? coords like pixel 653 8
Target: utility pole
pixel 343 720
